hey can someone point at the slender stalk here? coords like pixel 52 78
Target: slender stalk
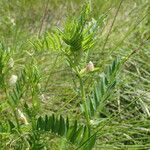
pixel 82 90
pixel 83 97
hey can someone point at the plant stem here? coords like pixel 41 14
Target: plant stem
pixel 83 97
pixel 13 109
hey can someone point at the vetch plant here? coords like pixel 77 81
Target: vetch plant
pixel 75 42
pixel 79 36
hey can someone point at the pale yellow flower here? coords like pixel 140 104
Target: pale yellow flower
pixel 13 79
pixel 90 67
pixel 22 118
pixel 42 98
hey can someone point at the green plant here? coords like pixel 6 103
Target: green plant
pixel 79 36
pixel 105 107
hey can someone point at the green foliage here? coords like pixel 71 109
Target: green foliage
pixel 76 134
pixel 29 75
pixel 103 88
pixel 79 36
pixel 50 41
pixel 4 68
pixel 73 32
pixel 17 92
pixel 34 141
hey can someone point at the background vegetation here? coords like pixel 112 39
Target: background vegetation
pixel 46 84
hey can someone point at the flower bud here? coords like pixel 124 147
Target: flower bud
pixel 22 118
pixel 90 67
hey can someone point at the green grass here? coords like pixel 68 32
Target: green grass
pixel 121 121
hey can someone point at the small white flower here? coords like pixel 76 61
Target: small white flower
pixel 90 67
pixel 42 97
pixel 11 63
pixel 22 118
pixel 12 20
pixel 13 79
pixel 92 122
